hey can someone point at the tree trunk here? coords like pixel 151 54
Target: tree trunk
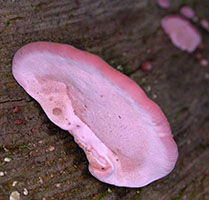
pixel 44 160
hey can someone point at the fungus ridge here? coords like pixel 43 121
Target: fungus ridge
pixel 61 112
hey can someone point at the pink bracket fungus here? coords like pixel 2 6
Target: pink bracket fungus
pixel 204 24
pixel 187 12
pixel 126 137
pixel 164 3
pixel 181 32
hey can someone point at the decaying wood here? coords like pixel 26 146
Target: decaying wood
pixel 43 158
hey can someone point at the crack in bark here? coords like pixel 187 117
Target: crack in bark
pixel 14 100
pixel 132 72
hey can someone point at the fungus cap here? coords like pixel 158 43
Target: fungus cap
pixel 181 32
pixel 125 136
pixel 187 12
pixel 204 24
pixel 164 3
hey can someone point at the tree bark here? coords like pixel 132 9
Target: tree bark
pixel 44 159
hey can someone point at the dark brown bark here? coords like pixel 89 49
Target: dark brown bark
pixel 121 32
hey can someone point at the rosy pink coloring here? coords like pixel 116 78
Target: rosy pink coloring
pixel 125 135
pixel 181 32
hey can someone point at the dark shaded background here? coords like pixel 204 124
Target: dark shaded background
pixel 122 32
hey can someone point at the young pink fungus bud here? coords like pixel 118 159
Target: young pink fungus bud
pixel 164 3
pixel 181 32
pixel 187 12
pixel 204 24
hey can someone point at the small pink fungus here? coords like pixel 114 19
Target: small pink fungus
pixel 51 148
pixel 198 55
pixel 204 62
pixel 15 109
pixel 146 66
pixel 181 32
pixel 204 24
pixel 187 12
pixel 164 3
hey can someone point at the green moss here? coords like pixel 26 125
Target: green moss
pixel 7 76
pixel 2 165
pixel 139 194
pixel 70 16
pixel 201 147
pixel 36 7
pixel 175 56
pixel 86 28
pixel 39 5
pixel 181 193
pixel 25 147
pixel 102 195
pixel 194 3
pixel 8 22
pixel 193 194
pixel 202 180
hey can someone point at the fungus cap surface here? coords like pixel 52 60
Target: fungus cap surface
pixel 125 136
pixel 181 32
pixel 187 12
pixel 164 3
pixel 204 24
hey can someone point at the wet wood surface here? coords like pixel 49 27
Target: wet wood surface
pixel 44 161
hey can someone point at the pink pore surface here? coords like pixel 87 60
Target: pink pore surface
pixel 125 135
pixel 187 12
pixel 164 3
pixel 181 32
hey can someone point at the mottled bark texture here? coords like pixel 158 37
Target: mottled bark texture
pixel 44 159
